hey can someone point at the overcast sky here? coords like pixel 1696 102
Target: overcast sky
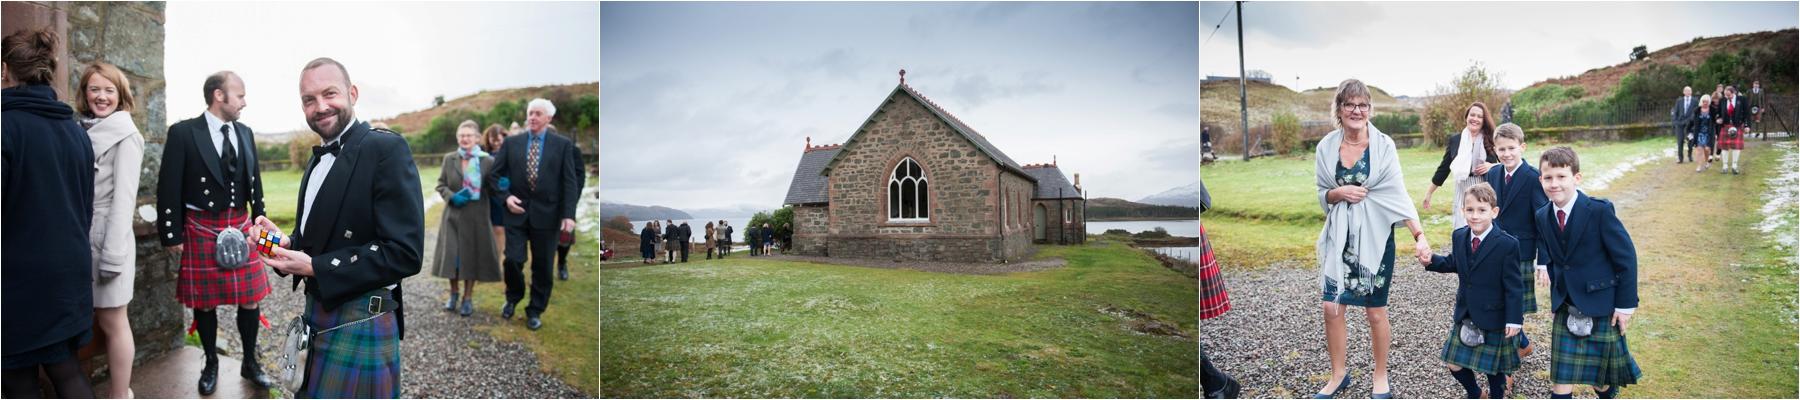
pixel 707 105
pixel 1407 48
pixel 400 55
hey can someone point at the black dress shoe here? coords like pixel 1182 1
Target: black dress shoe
pixel 562 273
pixel 209 377
pixel 534 323
pixel 507 311
pixel 253 373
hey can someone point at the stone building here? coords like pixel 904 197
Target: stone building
pixel 130 36
pixel 914 183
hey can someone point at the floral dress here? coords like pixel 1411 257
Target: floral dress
pixel 1361 289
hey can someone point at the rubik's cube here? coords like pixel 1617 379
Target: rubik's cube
pixel 267 242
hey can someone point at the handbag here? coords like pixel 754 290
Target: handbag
pixel 1471 335
pixel 1579 325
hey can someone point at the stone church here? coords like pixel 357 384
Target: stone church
pixel 914 183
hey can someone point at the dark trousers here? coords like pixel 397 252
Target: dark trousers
pixel 684 250
pixel 543 249
pixel 724 248
pixel 1682 146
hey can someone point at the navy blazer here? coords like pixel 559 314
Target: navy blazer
pixel 559 180
pixel 1518 202
pixel 1593 265
pixel 1478 298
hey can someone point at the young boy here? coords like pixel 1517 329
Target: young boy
pixel 1489 291
pixel 1520 196
pixel 1593 282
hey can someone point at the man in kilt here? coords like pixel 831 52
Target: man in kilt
pixel 360 231
pixel 210 184
pixel 1593 277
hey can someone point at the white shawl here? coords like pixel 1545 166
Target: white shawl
pixel 1373 219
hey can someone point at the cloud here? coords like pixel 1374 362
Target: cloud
pixel 978 89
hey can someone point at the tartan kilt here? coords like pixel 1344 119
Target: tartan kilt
pixel 1530 274
pixel 200 284
pixel 1213 299
pixel 1500 355
pixel 359 361
pixel 1728 141
pixel 1601 359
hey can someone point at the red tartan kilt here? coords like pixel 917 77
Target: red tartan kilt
pixel 200 283
pixel 1213 299
pixel 1728 141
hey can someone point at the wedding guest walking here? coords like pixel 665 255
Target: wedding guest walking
pixel 1467 158
pixel 465 249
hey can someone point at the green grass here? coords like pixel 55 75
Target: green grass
pixel 281 190
pixel 756 328
pixel 567 345
pixel 1277 197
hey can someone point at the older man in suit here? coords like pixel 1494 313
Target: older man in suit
pixel 545 174
pixel 1683 115
pixel 360 231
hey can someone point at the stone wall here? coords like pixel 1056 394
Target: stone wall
pixel 1055 230
pixel 130 36
pixel 810 225
pixel 963 195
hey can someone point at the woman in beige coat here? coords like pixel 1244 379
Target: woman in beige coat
pixel 465 242
pixel 105 105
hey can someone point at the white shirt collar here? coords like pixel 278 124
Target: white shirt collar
pixel 1483 234
pixel 1568 210
pixel 1515 168
pixel 213 122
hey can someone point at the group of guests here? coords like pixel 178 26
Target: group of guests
pixel 1516 225
pixel 70 178
pixel 669 242
pixel 1714 126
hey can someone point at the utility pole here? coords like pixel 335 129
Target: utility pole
pixel 1243 96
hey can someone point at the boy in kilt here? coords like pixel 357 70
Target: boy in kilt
pixel 1489 289
pixel 1593 281
pixel 360 231
pixel 1520 196
pixel 210 184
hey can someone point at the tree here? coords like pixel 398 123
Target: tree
pixel 437 101
pixel 619 222
pixel 1639 53
pixel 1286 129
pixel 1446 105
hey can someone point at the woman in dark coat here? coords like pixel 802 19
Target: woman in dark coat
pixel 465 248
pixel 49 208
pixel 647 242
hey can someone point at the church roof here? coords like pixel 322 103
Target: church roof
pixel 1050 182
pixel 981 143
pixel 808 186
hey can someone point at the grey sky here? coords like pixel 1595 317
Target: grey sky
pixel 707 105
pixel 1408 48
pixel 400 55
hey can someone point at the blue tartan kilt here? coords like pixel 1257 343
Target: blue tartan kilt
pixel 1530 274
pixel 1601 359
pixel 356 361
pixel 1500 355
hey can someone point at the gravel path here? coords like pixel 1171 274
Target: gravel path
pixel 443 356
pixel 1273 339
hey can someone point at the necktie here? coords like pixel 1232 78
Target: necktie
pixel 1475 245
pixel 1562 220
pixel 1508 180
pixel 229 157
pixel 531 161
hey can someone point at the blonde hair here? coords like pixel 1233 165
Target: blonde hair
pixel 111 73
pixel 1510 131
pixel 1346 90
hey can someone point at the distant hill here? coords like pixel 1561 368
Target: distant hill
pixel 1185 196
pixel 1690 55
pixel 1219 103
pixel 1643 90
pixel 639 213
pixel 1114 209
pixel 415 121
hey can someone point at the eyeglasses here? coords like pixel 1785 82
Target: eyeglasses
pixel 1364 107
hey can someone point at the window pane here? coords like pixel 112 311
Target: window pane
pixel 900 170
pixel 893 200
pixel 924 202
pixel 908 205
pixel 914 169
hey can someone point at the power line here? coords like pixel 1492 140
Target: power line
pixel 1221 23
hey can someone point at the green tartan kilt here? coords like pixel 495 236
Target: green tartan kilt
pixel 1500 355
pixel 1601 359
pixel 357 361
pixel 1529 271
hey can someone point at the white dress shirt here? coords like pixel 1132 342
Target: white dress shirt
pixel 316 177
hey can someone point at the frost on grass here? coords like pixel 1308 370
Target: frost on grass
pixel 1781 203
pixel 1599 182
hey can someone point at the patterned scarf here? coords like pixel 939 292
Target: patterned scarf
pixel 472 172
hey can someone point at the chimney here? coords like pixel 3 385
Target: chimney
pixel 1052 160
pixel 1077 180
pixel 808 143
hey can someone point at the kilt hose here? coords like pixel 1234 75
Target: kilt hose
pixel 200 284
pixel 359 361
pixel 1500 355
pixel 1601 359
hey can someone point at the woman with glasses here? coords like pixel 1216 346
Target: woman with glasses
pixel 1468 157
pixel 1364 197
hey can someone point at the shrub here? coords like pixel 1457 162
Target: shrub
pixel 1286 132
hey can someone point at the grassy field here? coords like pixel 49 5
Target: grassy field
pixel 282 188
pixel 756 328
pixel 1267 210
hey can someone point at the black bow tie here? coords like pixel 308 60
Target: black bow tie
pixel 321 151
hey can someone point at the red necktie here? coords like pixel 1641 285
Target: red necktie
pixel 1475 245
pixel 1562 220
pixel 1508 179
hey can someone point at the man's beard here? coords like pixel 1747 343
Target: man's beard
pixel 343 119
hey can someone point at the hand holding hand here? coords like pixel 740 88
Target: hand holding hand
pixel 1422 250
